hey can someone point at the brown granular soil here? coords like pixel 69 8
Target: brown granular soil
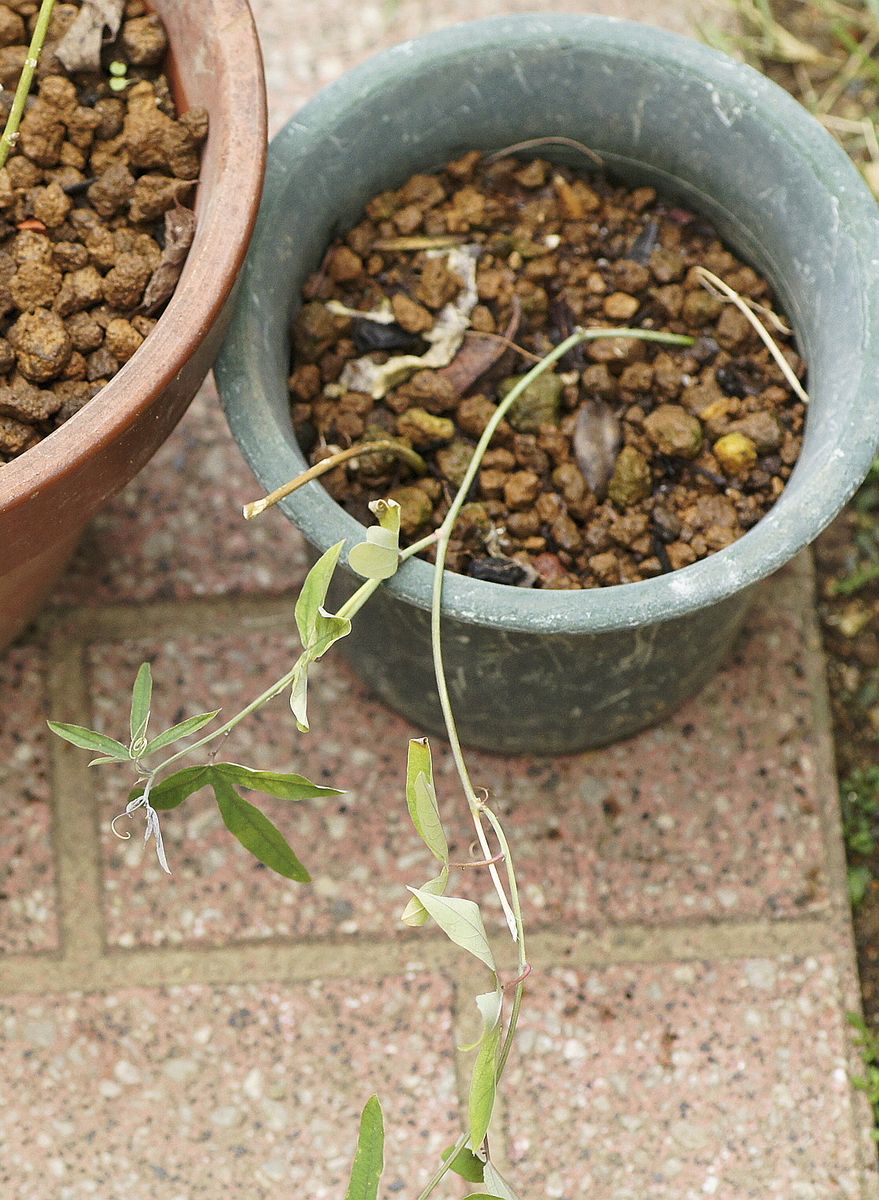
pixel 629 459
pixel 83 202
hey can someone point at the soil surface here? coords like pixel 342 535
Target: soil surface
pixel 629 459
pixel 93 223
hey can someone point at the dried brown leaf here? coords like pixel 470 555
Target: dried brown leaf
pixel 478 354
pixel 597 437
pixel 179 232
pixel 80 48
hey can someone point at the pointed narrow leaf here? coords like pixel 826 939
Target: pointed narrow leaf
pixel 141 697
pixel 314 593
pixel 369 1158
pixel 465 1163
pixel 483 1086
pixel 181 730
pixel 174 790
pixel 415 914
pixel 256 832
pixel 275 783
pixel 496 1185
pixel 461 921
pixel 99 762
pixel 325 630
pixel 418 762
pixel 90 739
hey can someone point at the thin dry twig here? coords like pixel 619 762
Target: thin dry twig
pixel 712 282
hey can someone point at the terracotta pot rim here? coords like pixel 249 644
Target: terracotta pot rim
pixel 198 301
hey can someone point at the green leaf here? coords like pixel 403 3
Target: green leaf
pixel 377 557
pixel 174 790
pixel 275 783
pixel 326 630
pixel 490 1006
pixel 90 739
pixel 389 514
pixel 483 1086
pixel 859 880
pixel 255 831
pixel 369 1158
pixel 496 1185
pixel 461 921
pixel 181 730
pixel 465 1163
pixel 415 914
pixel 421 799
pixel 141 696
pixel 313 595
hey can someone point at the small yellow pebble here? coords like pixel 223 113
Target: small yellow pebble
pixel 735 453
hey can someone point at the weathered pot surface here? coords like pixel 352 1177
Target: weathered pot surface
pixel 543 671
pixel 48 495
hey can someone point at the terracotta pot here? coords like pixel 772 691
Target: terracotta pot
pixel 49 494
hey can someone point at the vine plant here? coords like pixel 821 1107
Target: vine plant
pixel 159 789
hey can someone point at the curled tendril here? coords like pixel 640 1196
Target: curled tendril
pixel 153 829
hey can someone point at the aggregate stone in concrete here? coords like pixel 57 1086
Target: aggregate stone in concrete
pixel 682 1081
pixel 242 1091
pixel 28 915
pixel 716 814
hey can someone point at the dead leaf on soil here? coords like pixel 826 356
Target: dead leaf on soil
pixel 80 48
pixel 478 354
pixel 597 438
pixel 179 232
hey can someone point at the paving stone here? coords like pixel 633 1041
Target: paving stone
pixel 177 531
pixel 28 914
pixel 347 34
pixel 714 815
pixel 681 1081
pixel 197 1092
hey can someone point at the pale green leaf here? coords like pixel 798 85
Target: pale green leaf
pixel 465 1163
pixel 461 921
pixel 90 739
pixel 299 695
pixel 427 819
pixel 490 1006
pixel 415 914
pixel 181 730
pixel 369 1158
pixel 141 697
pixel 483 1086
pixel 275 783
pixel 173 790
pixel 374 560
pixel 496 1185
pixel 421 799
pixel 388 513
pixel 255 831
pixel 313 595
pixel 325 630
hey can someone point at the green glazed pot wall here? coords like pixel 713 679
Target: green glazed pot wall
pixel 591 666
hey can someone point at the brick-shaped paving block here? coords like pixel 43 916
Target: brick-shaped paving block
pixel 713 815
pixel 28 914
pixel 242 1091
pixel 176 531
pixel 683 1081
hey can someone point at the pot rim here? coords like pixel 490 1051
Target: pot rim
pixel 776 538
pixel 202 291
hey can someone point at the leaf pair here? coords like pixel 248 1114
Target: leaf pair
pixel 139 747
pixel 318 629
pixel 250 826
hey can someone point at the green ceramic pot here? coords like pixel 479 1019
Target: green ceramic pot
pixel 544 671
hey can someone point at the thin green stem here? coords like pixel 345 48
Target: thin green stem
pixel 443 1169
pixel 13 121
